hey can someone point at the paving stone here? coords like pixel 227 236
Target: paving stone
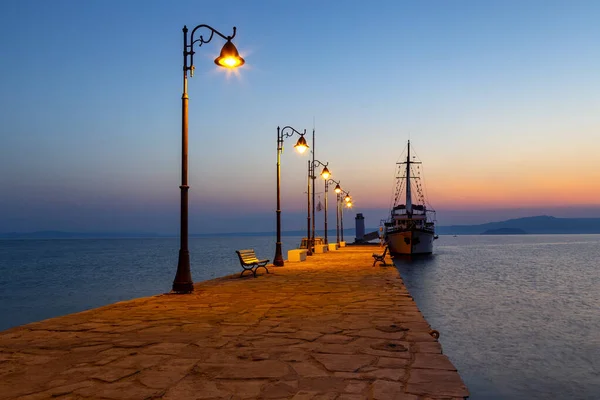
pixel 138 361
pixel 356 387
pixel 347 396
pixel 275 341
pixel 94 348
pixel 337 339
pixel 242 389
pixel 31 359
pixel 389 345
pixel 281 329
pixel 292 355
pixel 433 382
pixel 336 349
pixel 375 333
pixel 215 342
pixel 131 344
pixel 165 348
pixel 60 391
pixel 192 387
pixel 430 347
pixel 304 395
pixel 113 374
pixel 344 362
pixel 308 370
pixel 276 390
pixel 433 361
pixel 322 384
pixel 389 362
pixel 166 374
pixel 385 390
pixel 386 373
pixel 414 336
pixel 115 353
pixel 326 396
pixel 354 324
pixel 255 370
pixel 118 391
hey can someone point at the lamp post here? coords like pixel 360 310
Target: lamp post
pixel 337 190
pixel 300 146
pixel 229 58
pixel 311 176
pixel 348 201
pixel 337 215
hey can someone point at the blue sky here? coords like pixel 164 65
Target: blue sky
pixel 499 98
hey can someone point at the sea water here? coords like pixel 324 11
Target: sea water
pixel 519 316
pixel 41 279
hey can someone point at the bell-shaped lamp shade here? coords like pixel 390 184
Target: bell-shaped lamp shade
pixel 301 145
pixel 325 173
pixel 337 189
pixel 229 58
pixel 347 198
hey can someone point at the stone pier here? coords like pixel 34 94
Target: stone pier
pixel 332 327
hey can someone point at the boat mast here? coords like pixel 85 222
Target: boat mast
pixel 408 193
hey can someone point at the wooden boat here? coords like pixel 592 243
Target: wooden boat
pixel 410 228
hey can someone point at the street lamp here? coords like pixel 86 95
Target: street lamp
pixel 348 201
pixel 229 58
pixel 337 190
pixel 301 147
pixel 311 175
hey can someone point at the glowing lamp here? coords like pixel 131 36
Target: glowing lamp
pixel 325 173
pixel 301 145
pixel 337 189
pixel 347 198
pixel 229 57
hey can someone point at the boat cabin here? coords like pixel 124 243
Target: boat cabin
pixel 403 219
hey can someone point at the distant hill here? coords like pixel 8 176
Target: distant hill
pixel 505 231
pixel 542 224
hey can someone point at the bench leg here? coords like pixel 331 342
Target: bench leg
pixel 246 269
pixel 259 266
pixel 379 259
pixel 263 266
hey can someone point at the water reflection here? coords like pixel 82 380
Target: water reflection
pixel 518 316
pixel 407 260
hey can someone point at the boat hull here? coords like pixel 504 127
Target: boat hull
pixel 410 242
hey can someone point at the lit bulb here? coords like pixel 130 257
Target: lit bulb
pixel 300 148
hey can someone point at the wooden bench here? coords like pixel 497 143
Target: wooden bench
pixel 380 257
pixel 250 262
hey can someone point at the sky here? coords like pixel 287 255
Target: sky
pixel 499 99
